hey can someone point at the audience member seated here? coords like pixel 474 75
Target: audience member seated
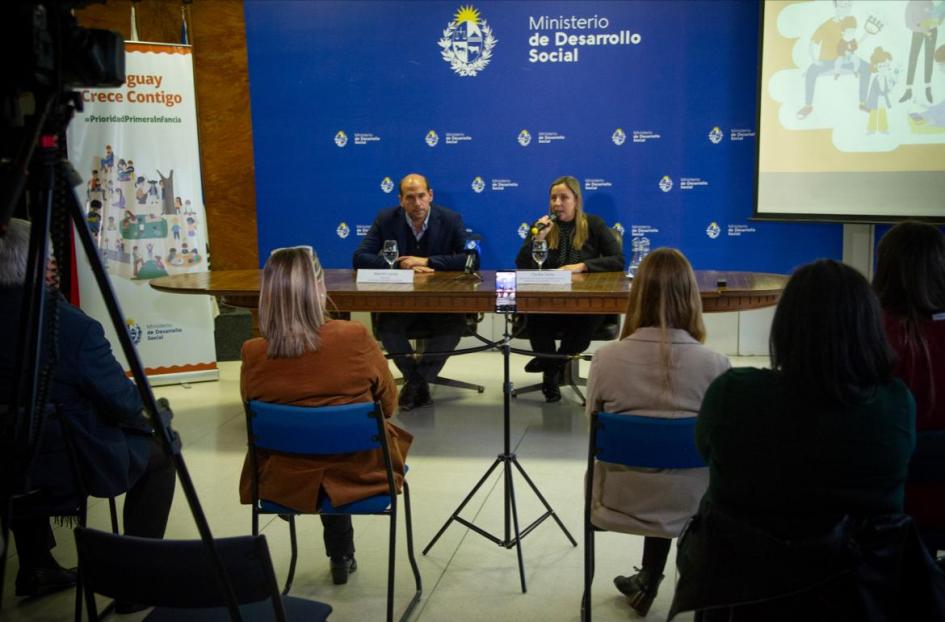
pixel 659 368
pixel 306 360
pixel 910 283
pixel 115 446
pixel 578 242
pixel 807 470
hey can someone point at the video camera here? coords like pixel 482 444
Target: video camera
pixel 49 54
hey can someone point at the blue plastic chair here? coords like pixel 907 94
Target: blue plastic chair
pixel 633 441
pixel 329 430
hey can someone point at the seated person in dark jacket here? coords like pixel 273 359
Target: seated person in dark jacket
pixel 795 453
pixel 578 242
pixel 910 283
pixel 429 238
pixel 115 446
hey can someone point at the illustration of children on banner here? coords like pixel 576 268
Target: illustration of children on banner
pixel 163 238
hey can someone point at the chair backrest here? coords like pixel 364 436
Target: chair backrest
pixel 650 442
pixel 311 430
pixel 175 573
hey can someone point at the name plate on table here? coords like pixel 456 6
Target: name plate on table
pixel 543 277
pixel 369 275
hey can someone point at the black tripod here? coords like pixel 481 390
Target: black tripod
pixel 43 156
pixel 512 535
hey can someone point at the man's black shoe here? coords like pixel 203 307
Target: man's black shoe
pixel 408 395
pixel 422 397
pixel 549 386
pixel 126 608
pixel 341 567
pixel 42 581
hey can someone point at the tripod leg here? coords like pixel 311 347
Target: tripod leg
pixel 459 509
pixel 510 497
pixel 543 501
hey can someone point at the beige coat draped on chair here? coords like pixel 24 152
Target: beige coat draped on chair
pixel 626 377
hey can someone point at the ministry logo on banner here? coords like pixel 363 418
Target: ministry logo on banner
pixel 666 183
pixel 478 185
pixel 713 230
pixel 619 137
pixel 467 42
pixel 715 136
pixel 432 139
pixel 341 139
pixel 387 184
pixel 524 138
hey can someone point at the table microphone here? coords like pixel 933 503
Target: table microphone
pixel 472 250
pixel 538 226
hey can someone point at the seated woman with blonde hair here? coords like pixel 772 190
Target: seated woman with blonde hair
pixel 305 359
pixel 659 368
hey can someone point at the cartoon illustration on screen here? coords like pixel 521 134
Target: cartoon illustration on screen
pixel 877 99
pixel 931 120
pixel 832 48
pixel 871 73
pixel 923 17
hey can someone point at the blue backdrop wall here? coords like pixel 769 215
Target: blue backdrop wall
pixel 652 105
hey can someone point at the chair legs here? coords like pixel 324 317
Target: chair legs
pixel 294 543
pixel 588 572
pixel 392 557
pixel 408 521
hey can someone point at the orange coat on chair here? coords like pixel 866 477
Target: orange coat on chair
pixel 348 367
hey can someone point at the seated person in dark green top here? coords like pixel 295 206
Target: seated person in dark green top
pixel 826 433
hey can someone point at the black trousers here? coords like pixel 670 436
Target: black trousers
pixel 655 554
pixel 574 331
pixel 442 331
pixel 147 506
pixel 338 534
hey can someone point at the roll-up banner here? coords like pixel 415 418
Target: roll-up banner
pixel 136 147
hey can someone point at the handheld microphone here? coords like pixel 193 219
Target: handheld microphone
pixel 538 226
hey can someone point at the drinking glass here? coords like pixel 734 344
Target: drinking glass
pixel 539 251
pixel 390 252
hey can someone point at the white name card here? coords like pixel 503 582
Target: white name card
pixel 369 275
pixel 543 277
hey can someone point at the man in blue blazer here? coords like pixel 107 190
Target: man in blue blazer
pixel 114 442
pixel 430 238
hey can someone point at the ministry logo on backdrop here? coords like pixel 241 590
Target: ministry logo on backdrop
pixel 523 230
pixel 341 139
pixel 387 184
pixel 431 138
pixel 478 185
pixel 619 137
pixel 715 136
pixel 467 42
pixel 343 230
pixel 713 230
pixel 666 184
pixel 134 331
pixel 524 138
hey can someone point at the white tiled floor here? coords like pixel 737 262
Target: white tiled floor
pixel 465 577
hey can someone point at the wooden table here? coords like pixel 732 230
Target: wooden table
pixel 455 292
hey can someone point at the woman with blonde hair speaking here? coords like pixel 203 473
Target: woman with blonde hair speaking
pixel 305 359
pixel 659 368
pixel 578 242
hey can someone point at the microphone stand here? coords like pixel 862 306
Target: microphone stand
pixel 512 534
